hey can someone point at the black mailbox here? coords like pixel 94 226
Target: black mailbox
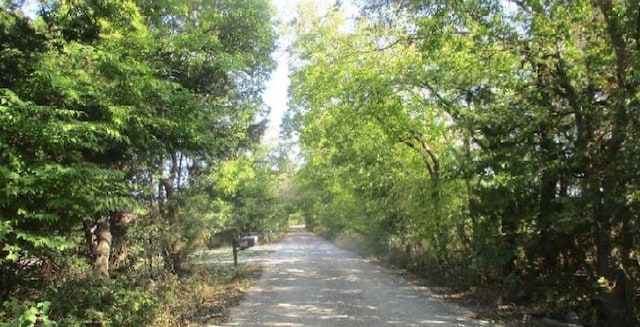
pixel 246 242
pixel 242 243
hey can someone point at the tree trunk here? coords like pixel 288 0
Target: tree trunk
pixel 620 307
pixel 175 251
pixel 547 242
pixel 103 246
pixel 631 271
pixel 90 237
pixel 118 223
pixel 510 225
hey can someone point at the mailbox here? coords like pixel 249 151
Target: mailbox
pixel 253 235
pixel 246 242
pixel 242 243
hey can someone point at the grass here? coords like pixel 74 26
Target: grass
pixel 224 256
pixel 205 296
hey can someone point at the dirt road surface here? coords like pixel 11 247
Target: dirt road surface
pixel 309 282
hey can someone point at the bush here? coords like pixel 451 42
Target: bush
pixel 26 314
pixel 112 302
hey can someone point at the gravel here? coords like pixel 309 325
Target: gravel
pixel 309 282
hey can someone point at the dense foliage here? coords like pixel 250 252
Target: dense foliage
pixel 122 125
pixel 493 140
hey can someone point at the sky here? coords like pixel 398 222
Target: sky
pixel 275 95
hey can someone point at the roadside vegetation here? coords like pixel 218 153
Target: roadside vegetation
pixel 129 140
pixel 480 144
pixel 484 145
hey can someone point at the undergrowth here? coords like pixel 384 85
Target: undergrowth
pixel 514 301
pixel 200 297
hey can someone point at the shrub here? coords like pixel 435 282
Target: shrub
pixel 112 302
pixel 26 314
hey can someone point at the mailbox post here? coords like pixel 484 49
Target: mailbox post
pixel 235 252
pixel 242 243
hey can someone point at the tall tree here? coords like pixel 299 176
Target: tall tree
pixel 521 117
pixel 110 111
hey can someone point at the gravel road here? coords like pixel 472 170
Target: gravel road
pixel 309 282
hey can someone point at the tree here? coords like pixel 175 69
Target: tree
pixel 202 49
pixel 499 132
pixel 111 112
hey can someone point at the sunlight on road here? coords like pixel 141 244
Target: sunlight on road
pixel 310 282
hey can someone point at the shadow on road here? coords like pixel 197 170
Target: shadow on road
pixel 310 282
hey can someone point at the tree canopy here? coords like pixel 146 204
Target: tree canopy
pixel 117 122
pixel 494 138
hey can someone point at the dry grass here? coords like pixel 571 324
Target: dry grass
pixel 204 297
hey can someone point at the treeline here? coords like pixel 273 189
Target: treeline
pixel 128 140
pixel 493 142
